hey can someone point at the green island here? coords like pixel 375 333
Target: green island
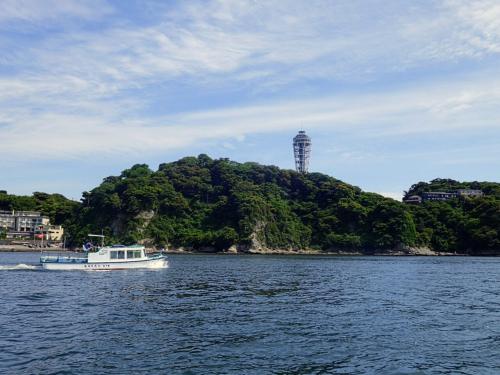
pixel 203 204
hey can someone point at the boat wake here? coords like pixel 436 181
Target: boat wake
pixel 19 267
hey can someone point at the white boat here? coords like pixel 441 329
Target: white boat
pixel 117 257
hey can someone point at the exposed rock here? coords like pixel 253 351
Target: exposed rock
pixel 145 215
pixel 119 224
pixel 143 218
pixel 232 250
pixel 257 236
pixel 409 250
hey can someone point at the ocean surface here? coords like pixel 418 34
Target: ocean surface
pixel 223 314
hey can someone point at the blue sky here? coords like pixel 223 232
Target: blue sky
pixel 391 92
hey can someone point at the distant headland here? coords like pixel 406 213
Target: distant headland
pixel 218 205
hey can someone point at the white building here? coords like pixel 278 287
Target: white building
pixel 22 223
pixel 470 192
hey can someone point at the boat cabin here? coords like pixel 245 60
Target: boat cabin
pixel 118 254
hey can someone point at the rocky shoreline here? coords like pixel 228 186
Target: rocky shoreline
pixel 412 251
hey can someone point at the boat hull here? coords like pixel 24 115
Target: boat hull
pixel 102 266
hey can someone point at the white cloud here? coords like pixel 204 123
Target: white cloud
pixel 107 131
pixel 72 90
pixel 480 22
pixel 270 44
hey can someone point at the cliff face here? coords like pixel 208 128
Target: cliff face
pixel 216 205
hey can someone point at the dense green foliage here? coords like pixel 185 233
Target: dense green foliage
pixel 463 225
pixel 202 203
pixel 58 208
pixel 214 204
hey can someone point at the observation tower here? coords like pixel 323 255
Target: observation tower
pixel 302 151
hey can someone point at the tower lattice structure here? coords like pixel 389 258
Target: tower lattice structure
pixel 302 151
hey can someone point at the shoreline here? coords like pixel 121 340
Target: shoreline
pixel 398 253
pixel 313 253
pixel 26 249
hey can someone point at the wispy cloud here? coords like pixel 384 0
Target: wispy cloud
pixel 87 78
pixel 428 110
pixel 224 42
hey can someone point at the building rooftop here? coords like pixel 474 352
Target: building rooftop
pixel 20 213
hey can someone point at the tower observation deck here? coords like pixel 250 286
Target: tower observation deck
pixel 302 151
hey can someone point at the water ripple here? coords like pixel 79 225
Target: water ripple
pixel 254 315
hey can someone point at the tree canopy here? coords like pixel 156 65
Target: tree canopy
pixel 204 203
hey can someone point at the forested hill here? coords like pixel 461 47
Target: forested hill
pixel 207 204
pixel 446 184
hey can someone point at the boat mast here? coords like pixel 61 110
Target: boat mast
pixel 100 236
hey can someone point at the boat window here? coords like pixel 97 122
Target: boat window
pixel 118 254
pixel 133 254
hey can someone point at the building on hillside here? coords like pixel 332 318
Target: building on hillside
pixel 414 199
pixel 49 232
pixel 22 221
pixel 470 192
pixel 443 195
pixel 55 233
pixel 438 196
pixel 24 224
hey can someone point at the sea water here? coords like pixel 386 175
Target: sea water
pixel 224 314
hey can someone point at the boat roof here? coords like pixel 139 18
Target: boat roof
pixel 119 246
